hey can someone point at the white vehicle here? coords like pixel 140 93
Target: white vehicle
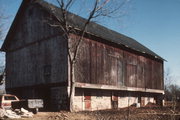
pixel 6 100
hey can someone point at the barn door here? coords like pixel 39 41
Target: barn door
pixel 87 100
pixel 114 100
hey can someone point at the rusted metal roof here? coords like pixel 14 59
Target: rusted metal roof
pixel 93 29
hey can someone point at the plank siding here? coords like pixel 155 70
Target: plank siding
pixel 93 51
pixel 141 72
pixel 32 28
pixel 106 65
pixel 35 47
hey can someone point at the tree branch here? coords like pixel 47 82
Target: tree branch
pixel 84 28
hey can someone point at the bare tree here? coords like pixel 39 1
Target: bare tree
pixel 172 92
pixel 1 25
pixel 99 8
pixel 2 73
pixel 170 88
pixel 168 79
pixel 2 20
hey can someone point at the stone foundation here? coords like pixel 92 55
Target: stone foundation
pixel 56 98
pixel 102 99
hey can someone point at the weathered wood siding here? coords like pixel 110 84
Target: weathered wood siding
pixel 99 63
pixel 37 53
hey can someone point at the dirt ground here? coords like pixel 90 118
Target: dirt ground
pixel 131 113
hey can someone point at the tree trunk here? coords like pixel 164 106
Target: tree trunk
pixel 72 86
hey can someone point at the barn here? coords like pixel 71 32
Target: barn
pixel 112 70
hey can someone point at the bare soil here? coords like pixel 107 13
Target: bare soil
pixel 131 113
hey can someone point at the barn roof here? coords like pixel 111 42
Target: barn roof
pixel 92 28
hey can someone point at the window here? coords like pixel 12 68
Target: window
pixel 9 98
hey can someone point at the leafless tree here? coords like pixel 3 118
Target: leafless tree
pixel 168 81
pixel 97 9
pixel 169 87
pixel 168 78
pixel 2 21
pixel 1 25
pixel 172 92
pixel 2 18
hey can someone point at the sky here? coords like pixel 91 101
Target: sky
pixel 154 23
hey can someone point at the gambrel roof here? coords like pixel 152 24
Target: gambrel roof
pixel 92 28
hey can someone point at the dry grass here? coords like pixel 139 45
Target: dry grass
pixel 150 112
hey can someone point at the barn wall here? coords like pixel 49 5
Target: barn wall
pixel 37 55
pixel 39 63
pixel 99 63
pixel 34 25
pixel 59 98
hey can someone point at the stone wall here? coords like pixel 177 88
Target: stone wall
pixel 99 100
pixel 102 99
pixel 78 100
pixel 126 101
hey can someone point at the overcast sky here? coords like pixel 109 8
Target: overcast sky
pixel 154 23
